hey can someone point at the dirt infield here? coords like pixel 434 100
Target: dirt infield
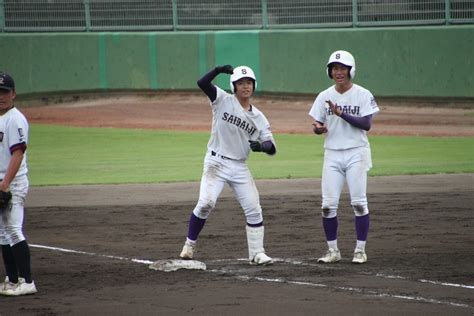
pixel 420 258
pixel 287 114
pixel 91 245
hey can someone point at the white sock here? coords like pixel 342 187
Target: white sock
pixel 333 244
pixel 361 245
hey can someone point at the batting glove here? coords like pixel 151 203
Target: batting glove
pixel 227 69
pixel 255 145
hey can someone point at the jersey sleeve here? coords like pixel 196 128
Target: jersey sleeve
pixel 266 131
pixel 318 110
pixel 220 95
pixel 368 105
pixel 17 138
pixel 263 126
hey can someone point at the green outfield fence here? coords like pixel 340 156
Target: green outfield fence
pixel 176 15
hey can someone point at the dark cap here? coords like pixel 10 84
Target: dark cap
pixel 6 82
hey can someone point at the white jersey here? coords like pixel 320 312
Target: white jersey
pixel 357 101
pixel 13 132
pixel 233 127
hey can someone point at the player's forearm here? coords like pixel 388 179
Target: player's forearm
pixel 205 83
pixel 364 122
pixel 269 147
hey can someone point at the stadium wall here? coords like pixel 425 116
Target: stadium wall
pixel 392 62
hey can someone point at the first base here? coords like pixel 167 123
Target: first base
pixel 174 264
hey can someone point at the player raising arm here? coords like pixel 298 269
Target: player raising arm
pixel 237 127
pixel 343 113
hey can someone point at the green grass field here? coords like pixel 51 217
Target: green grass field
pixel 59 155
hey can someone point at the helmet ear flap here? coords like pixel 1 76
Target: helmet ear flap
pixel 353 72
pixel 328 71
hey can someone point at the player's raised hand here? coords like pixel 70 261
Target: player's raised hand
pixel 336 109
pixel 226 69
pixel 319 129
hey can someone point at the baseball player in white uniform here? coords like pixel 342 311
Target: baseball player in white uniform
pixel 343 112
pixel 237 127
pixel 13 175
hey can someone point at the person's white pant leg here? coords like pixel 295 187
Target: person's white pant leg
pixel 212 183
pixel 332 182
pixel 11 222
pixel 245 191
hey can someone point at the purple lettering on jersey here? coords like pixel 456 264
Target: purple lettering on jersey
pixel 349 109
pixel 252 131
pixel 354 110
pixel 240 123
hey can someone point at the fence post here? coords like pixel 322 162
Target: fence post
pixel 355 19
pixel 175 14
pixel 2 16
pixel 447 11
pixel 87 13
pixel 264 14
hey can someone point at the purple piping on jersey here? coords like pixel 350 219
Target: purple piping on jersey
pixel 330 228
pixel 20 146
pixel 364 122
pixel 206 86
pixel 195 226
pixel 362 227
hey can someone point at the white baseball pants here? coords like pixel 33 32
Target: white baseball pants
pixel 11 221
pixel 349 165
pixel 217 172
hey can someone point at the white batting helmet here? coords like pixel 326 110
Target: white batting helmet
pixel 342 57
pixel 242 72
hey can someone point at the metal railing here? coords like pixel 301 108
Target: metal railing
pixel 175 15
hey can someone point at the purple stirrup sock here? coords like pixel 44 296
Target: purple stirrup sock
pixel 195 226
pixel 330 228
pixel 362 227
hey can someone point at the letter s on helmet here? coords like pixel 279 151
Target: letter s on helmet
pixel 342 57
pixel 242 72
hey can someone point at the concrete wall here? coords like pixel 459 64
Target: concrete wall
pixel 407 62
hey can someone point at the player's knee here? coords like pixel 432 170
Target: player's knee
pixel 328 212
pixel 204 208
pixel 13 234
pixel 360 209
pixel 329 207
pixel 253 213
pixel 254 218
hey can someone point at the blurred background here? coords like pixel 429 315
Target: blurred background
pixel 403 48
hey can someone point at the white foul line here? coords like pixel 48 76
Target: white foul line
pixel 91 254
pixel 282 280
